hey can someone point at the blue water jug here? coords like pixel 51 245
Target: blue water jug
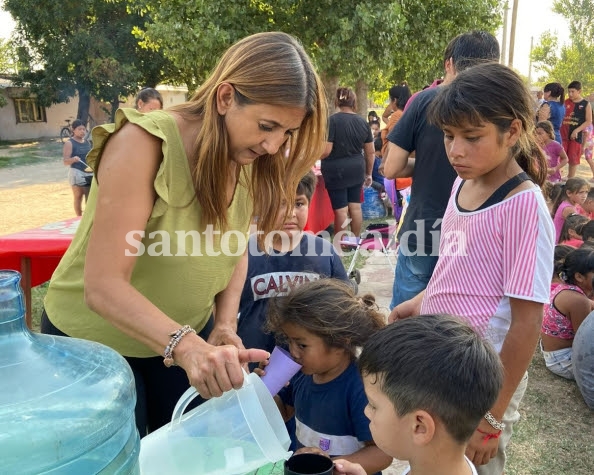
pixel 66 405
pixel 372 207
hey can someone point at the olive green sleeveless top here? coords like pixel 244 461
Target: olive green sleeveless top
pixel 181 269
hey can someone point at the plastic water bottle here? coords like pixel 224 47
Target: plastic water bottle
pixel 66 405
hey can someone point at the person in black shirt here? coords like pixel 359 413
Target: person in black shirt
pixel 347 162
pixel 74 155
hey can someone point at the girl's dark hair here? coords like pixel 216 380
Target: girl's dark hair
pixel 329 309
pixel 77 123
pixel 579 261
pixel 372 117
pixel 559 191
pixel 561 252
pixel 556 90
pixel 574 222
pixel 492 93
pixel 588 231
pixel 146 95
pixel 345 97
pixel 547 127
pixel 401 94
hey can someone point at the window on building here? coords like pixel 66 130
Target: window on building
pixel 29 110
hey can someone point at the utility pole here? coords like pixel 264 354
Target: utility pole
pixel 512 36
pixel 504 39
pixel 530 63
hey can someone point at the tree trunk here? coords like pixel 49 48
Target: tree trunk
pixel 115 104
pixel 84 102
pixel 361 90
pixel 331 85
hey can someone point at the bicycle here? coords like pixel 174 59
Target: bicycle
pixel 66 131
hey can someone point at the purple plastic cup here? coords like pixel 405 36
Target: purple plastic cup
pixel 279 371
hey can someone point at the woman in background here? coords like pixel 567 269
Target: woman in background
pixel 74 155
pixel 347 162
pixel 148 99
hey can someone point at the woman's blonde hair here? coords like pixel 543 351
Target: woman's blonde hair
pixel 267 68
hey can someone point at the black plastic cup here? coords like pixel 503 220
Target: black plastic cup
pixel 309 464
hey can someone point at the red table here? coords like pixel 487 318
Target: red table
pixel 320 209
pixel 35 253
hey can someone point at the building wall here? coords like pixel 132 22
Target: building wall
pixel 57 114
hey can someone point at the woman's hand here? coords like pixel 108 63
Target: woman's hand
pixel 345 467
pixel 368 181
pixel 213 370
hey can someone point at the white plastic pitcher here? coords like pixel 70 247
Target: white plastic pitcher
pixel 229 435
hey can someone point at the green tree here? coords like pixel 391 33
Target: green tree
pixel 371 43
pixel 83 47
pixel 574 61
pixel 8 58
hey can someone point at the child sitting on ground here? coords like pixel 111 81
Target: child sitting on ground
pixel 567 199
pixel 588 205
pixel 561 251
pixel 588 234
pixel 295 258
pixel 571 232
pixel 425 405
pixel 324 323
pixel 570 304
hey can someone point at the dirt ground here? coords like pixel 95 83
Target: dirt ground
pixel 33 206
pixel 34 195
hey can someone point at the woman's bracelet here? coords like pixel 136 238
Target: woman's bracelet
pixel 493 422
pixel 175 339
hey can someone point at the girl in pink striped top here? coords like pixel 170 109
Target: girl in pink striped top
pixel 496 248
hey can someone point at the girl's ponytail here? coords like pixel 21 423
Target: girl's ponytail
pixel 532 159
pixel 574 222
pixel 559 193
pixel 557 196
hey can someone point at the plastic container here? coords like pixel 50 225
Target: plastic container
pixel 66 405
pixel 229 435
pixel 372 207
pixel 279 371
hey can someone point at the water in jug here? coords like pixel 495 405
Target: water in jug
pixel 66 405
pixel 229 435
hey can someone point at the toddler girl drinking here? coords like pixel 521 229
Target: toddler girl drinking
pixel 324 323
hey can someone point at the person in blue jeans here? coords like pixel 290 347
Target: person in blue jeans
pixel 432 174
pixel 583 359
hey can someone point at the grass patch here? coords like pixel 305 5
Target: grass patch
pixel 555 434
pixel 14 154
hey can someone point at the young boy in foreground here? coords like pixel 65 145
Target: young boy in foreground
pixel 293 258
pixel 429 381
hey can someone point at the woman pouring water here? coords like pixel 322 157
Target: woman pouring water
pixel 74 155
pixel 166 225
